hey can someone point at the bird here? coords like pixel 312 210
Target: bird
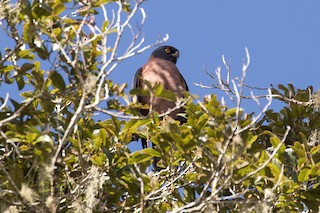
pixel 161 68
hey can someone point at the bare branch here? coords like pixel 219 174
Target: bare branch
pixel 62 50
pixel 261 113
pixel 69 129
pixel 121 27
pixel 12 52
pixel 5 101
pixel 19 111
pixel 279 179
pixel 120 30
pixel 167 185
pixel 291 100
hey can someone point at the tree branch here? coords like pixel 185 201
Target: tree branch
pixel 275 151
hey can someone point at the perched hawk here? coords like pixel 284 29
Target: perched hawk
pixel 161 68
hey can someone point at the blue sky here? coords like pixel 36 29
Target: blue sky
pixel 283 38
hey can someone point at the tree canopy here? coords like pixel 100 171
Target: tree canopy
pixel 57 156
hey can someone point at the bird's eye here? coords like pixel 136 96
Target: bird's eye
pixel 167 50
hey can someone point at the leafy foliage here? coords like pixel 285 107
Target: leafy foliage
pixel 56 156
pixel 301 158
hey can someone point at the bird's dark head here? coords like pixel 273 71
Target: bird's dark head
pixel 166 53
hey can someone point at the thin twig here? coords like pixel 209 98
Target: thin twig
pixel 275 151
pixel 165 186
pixel 13 51
pixel 5 101
pixel 19 111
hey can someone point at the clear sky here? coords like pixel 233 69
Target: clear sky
pixel 283 38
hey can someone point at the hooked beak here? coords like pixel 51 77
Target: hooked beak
pixel 176 54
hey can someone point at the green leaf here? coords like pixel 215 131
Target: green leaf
pixel 46 104
pixel 245 122
pixel 57 81
pixel 20 82
pixel 304 175
pixel 298 148
pixel 8 68
pixel 143 155
pixel 275 142
pixel 15 104
pixel 275 170
pixel 167 95
pixel 291 88
pixel 139 158
pixel 272 115
pixel 250 140
pixel 37 66
pixel 59 8
pixel 26 8
pixel 315 170
pixel 202 121
pixel 140 92
pixel 27 54
pixel 231 112
pixel 44 138
pixel 158 89
pixel 315 150
pixel 27 94
pixel 301 162
pixel 113 30
pixel 41 9
pixel 134 124
pixel 105 25
pixel 42 53
pixel 45 6
pixel 100 139
pixel 28 32
pixel 26 67
pixel 284 89
pixel 98 159
pixel 31 137
pixel 151 152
